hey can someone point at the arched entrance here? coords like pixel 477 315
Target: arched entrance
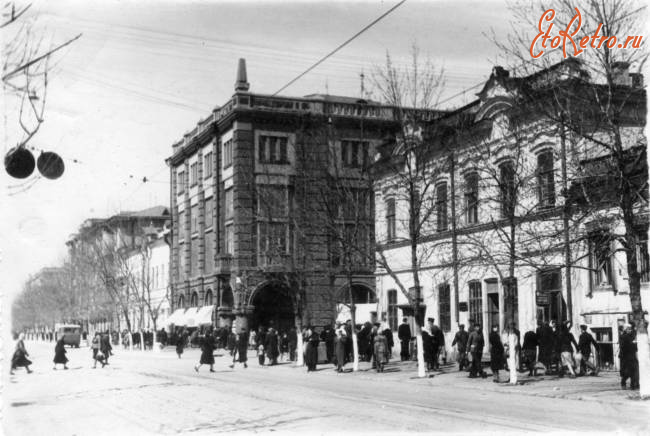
pixel 273 307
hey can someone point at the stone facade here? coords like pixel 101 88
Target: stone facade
pixel 248 222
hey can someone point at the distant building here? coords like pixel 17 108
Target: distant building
pixel 248 236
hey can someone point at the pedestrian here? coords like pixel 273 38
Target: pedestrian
pixel 95 345
pixel 475 344
pixel 497 353
pixel 380 348
pixel 20 355
pixel 566 344
pixel 59 354
pixel 327 336
pixel 529 349
pixel 349 351
pixel 404 336
pixel 339 347
pixel 585 341
pixel 427 348
pixel 293 343
pixel 388 333
pixel 272 346
pixel 460 341
pixel 180 345
pixel 207 352
pixel 546 341
pixel 105 346
pixel 232 342
pixel 241 348
pixel 511 328
pixel 438 343
pixel 284 346
pixel 629 362
pixel 311 351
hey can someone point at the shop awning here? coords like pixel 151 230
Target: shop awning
pixel 191 317
pixel 204 315
pixel 176 318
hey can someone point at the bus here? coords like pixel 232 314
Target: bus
pixel 71 334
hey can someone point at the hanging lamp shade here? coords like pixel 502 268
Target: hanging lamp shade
pixel 19 163
pixel 50 165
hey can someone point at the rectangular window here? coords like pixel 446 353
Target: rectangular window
pixel 194 174
pixel 181 225
pixel 229 205
pixel 272 240
pixel 180 182
pixel 600 259
pixel 227 153
pixel 354 154
pixel 441 206
pixel 507 189
pixel 475 302
pixel 390 219
pixel 549 280
pixel 194 219
pixel 229 239
pixel 209 252
pixel 208 211
pixel 272 149
pixel 642 257
pixel 182 266
pixel 392 309
pixel 545 180
pixel 272 201
pixel 444 307
pixel 194 257
pixel 207 165
pixel 471 198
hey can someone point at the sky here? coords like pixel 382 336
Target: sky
pixel 144 72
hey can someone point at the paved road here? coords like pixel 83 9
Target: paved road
pixel 157 393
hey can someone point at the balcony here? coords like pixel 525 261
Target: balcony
pixel 224 262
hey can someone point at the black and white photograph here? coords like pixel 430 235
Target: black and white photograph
pixel 315 217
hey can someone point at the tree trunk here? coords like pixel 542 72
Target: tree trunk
pixel 512 357
pixel 420 351
pixel 355 350
pixel 300 352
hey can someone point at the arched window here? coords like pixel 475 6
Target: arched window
pixel 207 301
pixel 471 197
pixel 181 302
pixel 227 298
pixel 194 300
pixel 545 180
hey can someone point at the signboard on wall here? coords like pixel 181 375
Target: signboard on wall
pixel 542 298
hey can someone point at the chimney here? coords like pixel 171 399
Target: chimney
pixel 242 81
pixel 621 73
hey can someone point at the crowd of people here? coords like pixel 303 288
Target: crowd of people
pixel 551 348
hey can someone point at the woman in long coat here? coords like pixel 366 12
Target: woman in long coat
pixel 207 352
pixel 271 346
pixel 497 353
pixel 59 354
pixel 339 349
pixel 180 344
pixel 20 355
pixel 380 350
pixel 311 354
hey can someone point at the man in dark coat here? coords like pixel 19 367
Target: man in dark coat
pixel 241 348
pixel 629 363
pixel 460 341
pixel 293 343
pixel 585 341
pixel 497 353
pixel 390 343
pixel 566 343
pixel 427 349
pixel 59 354
pixel 529 350
pixel 207 352
pixel 311 353
pixel 404 336
pixel 475 344
pixel 271 346
pixel 105 346
pixel 327 336
pixel 546 339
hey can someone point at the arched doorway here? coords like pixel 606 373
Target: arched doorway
pixel 273 307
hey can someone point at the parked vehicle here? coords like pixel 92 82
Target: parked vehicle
pixel 71 334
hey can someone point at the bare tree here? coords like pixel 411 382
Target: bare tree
pixel 412 92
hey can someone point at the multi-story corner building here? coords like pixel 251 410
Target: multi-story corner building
pixel 248 190
pixel 112 259
pixel 516 203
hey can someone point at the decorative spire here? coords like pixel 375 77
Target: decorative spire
pixel 242 81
